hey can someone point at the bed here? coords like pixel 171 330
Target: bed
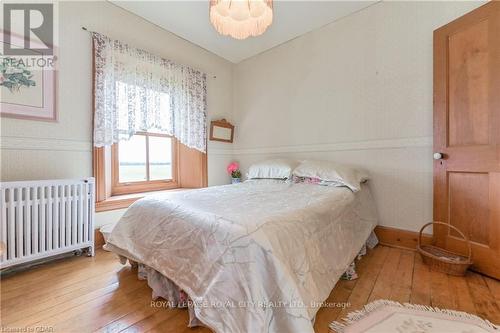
pixel 260 256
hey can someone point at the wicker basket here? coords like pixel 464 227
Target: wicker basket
pixel 442 260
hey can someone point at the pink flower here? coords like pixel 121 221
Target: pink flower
pixel 233 166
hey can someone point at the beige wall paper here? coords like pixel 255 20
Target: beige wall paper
pixel 357 91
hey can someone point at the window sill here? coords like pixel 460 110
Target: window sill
pixel 125 200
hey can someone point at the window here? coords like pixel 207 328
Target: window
pixel 146 162
pixel 153 95
pixel 187 169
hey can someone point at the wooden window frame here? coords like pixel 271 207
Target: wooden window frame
pixel 118 188
pixel 191 168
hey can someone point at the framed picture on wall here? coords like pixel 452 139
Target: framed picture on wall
pixel 27 82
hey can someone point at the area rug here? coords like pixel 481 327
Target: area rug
pixel 385 316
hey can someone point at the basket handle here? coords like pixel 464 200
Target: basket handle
pixel 449 226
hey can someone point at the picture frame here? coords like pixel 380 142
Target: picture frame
pixel 35 99
pixel 221 130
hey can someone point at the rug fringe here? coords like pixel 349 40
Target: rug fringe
pixel 356 316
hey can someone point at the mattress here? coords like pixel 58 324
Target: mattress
pixel 253 257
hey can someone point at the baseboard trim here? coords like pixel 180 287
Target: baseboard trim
pixel 400 238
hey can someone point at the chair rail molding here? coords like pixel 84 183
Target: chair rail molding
pixel 59 144
pixel 398 143
pixel 53 144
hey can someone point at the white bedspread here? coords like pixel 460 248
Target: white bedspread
pixel 253 257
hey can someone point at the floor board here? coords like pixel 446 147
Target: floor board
pixel 421 285
pixel 98 294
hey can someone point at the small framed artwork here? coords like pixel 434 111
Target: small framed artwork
pixel 221 130
pixel 27 83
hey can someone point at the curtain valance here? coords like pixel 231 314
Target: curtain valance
pixel 138 91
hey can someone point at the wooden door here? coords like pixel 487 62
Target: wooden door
pixel 467 134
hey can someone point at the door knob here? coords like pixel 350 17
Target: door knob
pixel 438 156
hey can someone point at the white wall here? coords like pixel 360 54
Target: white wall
pixel 44 150
pixel 358 91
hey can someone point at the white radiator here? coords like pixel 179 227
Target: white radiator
pixel 44 218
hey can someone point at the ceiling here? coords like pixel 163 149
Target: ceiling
pixel 189 20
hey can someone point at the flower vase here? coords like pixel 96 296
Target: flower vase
pixel 235 180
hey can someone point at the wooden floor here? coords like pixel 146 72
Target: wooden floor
pixel 98 294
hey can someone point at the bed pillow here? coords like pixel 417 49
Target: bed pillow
pixel 272 169
pixel 328 171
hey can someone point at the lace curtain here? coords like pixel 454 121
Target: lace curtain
pixel 138 91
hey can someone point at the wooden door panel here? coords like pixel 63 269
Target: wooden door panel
pixel 468 195
pixel 485 256
pixel 472 158
pixel 467 133
pixel 468 64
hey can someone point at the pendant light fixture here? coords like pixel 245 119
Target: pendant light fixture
pixel 241 18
